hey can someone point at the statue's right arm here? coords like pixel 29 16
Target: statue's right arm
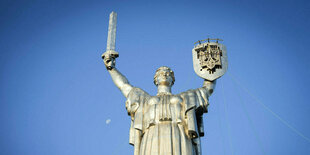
pixel 120 81
pixel 118 78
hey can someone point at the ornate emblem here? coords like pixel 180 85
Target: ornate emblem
pixel 210 59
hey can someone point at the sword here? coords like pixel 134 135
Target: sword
pixel 110 54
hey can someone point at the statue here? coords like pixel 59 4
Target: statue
pixel 168 123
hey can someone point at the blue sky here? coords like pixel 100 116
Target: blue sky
pixel 56 95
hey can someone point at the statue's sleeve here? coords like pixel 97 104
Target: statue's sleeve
pixel 203 102
pixel 135 104
pixel 195 104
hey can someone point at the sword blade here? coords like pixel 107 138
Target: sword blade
pixel 112 32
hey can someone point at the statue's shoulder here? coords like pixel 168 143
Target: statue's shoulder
pixel 192 92
pixel 176 99
pixel 187 93
pixel 136 97
pixel 137 92
pixel 153 100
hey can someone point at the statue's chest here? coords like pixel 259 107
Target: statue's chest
pixel 164 107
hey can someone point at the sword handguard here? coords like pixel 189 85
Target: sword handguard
pixel 111 53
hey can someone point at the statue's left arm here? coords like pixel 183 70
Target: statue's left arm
pixel 196 103
pixel 202 94
pixel 209 86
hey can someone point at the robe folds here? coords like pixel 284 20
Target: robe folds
pixel 167 124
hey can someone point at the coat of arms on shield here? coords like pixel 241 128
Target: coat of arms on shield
pixel 210 59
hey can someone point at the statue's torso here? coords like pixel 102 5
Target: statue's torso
pixel 162 124
pixel 165 130
pixel 163 108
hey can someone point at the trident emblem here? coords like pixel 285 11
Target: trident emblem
pixel 210 58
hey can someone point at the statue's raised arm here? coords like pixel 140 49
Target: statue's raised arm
pixel 118 78
pixel 209 86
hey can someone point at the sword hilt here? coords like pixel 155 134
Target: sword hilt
pixel 109 59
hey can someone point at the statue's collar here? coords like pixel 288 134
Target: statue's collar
pixel 163 93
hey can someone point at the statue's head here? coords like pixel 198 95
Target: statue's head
pixel 164 76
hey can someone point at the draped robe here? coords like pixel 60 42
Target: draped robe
pixel 167 124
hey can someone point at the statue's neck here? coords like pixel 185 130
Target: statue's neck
pixel 163 89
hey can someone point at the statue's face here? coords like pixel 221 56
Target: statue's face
pixel 164 77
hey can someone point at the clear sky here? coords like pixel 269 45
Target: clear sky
pixel 56 97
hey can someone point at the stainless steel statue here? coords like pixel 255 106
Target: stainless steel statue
pixel 168 124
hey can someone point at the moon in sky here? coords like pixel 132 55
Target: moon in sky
pixel 108 121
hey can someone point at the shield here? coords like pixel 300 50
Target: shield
pixel 210 60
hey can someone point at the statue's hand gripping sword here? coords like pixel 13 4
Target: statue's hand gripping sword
pixel 110 54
